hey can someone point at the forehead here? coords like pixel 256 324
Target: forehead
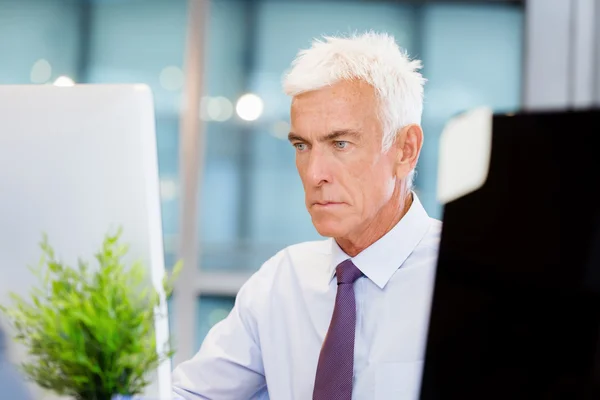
pixel 345 101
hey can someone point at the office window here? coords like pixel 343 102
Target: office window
pixel 251 202
pixel 39 40
pixel 211 310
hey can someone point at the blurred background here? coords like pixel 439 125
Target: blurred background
pixel 244 202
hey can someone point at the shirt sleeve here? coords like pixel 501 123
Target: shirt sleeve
pixel 229 364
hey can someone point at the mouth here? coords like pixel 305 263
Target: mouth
pixel 328 204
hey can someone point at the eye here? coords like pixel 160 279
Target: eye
pixel 340 144
pixel 300 146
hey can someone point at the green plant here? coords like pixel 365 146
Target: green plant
pixel 90 331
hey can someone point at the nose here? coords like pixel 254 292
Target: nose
pixel 318 170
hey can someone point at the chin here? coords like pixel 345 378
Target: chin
pixel 329 227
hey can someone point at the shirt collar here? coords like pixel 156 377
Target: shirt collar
pixel 380 260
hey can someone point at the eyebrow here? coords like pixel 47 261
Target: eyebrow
pixel 330 136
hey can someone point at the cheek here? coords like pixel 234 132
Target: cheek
pixel 376 187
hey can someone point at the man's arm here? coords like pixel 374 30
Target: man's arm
pixel 229 364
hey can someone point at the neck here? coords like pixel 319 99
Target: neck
pixel 383 222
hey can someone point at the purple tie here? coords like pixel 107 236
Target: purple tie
pixel 336 361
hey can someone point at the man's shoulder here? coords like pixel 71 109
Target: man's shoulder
pixel 292 262
pixel 299 254
pixel 315 246
pixel 305 250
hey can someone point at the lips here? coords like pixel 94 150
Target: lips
pixel 327 203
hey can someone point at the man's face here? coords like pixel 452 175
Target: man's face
pixel 338 139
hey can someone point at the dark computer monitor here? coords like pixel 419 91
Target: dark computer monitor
pixel 516 305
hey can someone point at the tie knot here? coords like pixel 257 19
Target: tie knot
pixel 347 272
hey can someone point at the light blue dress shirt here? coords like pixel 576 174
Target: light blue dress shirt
pixel 268 346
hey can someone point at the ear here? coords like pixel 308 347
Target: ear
pixel 408 145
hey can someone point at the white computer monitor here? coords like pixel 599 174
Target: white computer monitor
pixel 77 162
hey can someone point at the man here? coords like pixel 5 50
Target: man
pixel 345 317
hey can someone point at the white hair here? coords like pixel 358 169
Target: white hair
pixel 374 58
